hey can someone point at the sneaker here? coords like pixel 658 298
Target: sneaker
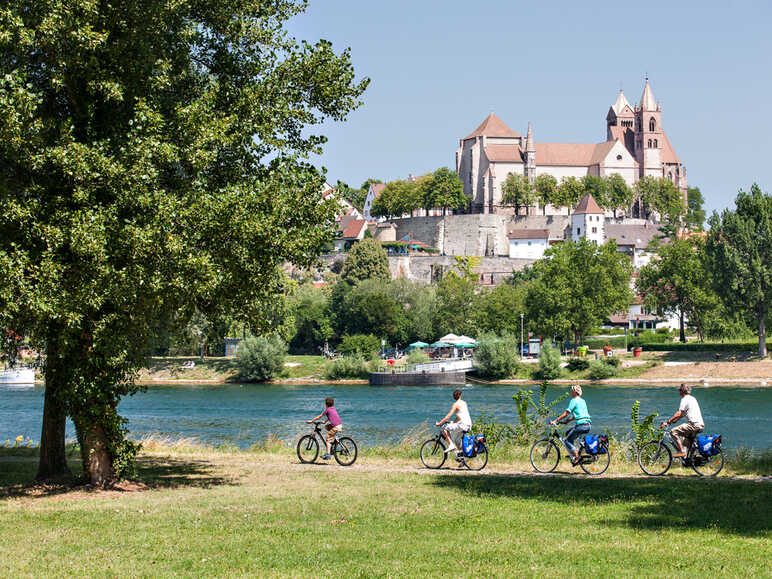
pixel 326 457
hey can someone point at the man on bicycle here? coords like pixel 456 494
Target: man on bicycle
pixel 694 424
pixel 461 425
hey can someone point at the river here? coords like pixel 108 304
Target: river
pixel 243 414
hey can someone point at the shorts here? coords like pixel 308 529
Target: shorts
pixel 456 430
pixel 332 431
pixel 685 433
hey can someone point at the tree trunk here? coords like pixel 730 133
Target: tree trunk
pixel 97 459
pixel 53 458
pixel 762 334
pixel 681 325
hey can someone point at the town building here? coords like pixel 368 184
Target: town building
pixel 636 145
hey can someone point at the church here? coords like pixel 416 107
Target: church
pixel 636 146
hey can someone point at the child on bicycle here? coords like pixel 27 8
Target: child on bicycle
pixel 334 426
pixel 577 410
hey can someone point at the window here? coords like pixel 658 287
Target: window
pixel 655 143
pixel 619 157
pixel 652 124
pixel 595 230
pixel 649 143
pixel 529 243
pixel 578 230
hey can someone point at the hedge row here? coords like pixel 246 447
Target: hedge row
pixel 704 347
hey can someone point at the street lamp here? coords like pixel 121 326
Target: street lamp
pixel 521 333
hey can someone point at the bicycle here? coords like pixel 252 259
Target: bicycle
pixel 656 457
pixel 433 454
pixel 344 449
pixel 545 454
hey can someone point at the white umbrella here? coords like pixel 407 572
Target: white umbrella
pixel 450 339
pixel 466 340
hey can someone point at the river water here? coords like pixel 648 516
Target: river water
pixel 243 414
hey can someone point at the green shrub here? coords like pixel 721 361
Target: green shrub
pixel 549 363
pixel 348 367
pixel 703 347
pixel 360 344
pixel 646 430
pixel 611 361
pixel 496 357
pixel 261 358
pixel 495 432
pixel 601 371
pixel 578 364
pixel 417 356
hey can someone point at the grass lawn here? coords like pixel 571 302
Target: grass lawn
pixel 263 513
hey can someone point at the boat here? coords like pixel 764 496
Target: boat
pixel 17 375
pixel 450 372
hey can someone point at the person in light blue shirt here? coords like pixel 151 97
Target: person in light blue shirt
pixel 576 411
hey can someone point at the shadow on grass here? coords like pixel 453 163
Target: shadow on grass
pixel 731 506
pixel 17 477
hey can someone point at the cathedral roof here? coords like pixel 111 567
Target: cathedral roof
pixel 621 103
pixel 647 98
pixel 601 150
pixel 493 126
pixel 668 153
pixel 587 205
pixel 564 154
pixel 503 154
pixel 626 135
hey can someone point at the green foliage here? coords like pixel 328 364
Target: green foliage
pixel 140 179
pixel 496 357
pixel 738 250
pixel 356 197
pixel 261 358
pixel 695 214
pixel 579 285
pixel 577 364
pixel 598 187
pixel 517 192
pixel 443 188
pixel 417 356
pixel 310 307
pixel 523 401
pixel 612 361
pixel 549 363
pixel 498 310
pixel 546 188
pixel 544 409
pixel 398 198
pixel 599 370
pixel 663 197
pixel 360 344
pixel 366 260
pixel 619 194
pixel 644 431
pixel 456 305
pixel 570 191
pixel 496 433
pixel 348 367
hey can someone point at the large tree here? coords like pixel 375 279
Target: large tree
pixel 664 198
pixel 739 246
pixel 546 187
pixel 695 214
pixel 620 195
pixel 151 160
pixel 579 285
pixel 679 281
pixel 443 188
pixel 517 192
pixel 366 260
pixel 398 198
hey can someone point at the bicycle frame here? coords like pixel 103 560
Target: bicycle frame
pixel 320 435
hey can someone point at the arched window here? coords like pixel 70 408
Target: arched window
pixel 655 143
pixel 652 124
pixel 649 143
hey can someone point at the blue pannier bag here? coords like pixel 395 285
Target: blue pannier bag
pixel 468 445
pixel 592 443
pixel 479 441
pixel 709 444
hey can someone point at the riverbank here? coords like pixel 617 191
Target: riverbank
pixel 199 512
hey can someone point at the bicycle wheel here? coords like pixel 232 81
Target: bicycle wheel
pixel 545 455
pixel 655 458
pixel 433 453
pixel 308 448
pixel 345 451
pixel 708 465
pixel 478 461
pixel 598 464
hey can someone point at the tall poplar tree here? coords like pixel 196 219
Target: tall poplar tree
pixel 152 160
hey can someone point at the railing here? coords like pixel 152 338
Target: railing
pixel 429 367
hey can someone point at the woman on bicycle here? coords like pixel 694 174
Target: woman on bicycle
pixel 577 411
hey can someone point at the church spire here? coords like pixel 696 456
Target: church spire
pixel 647 98
pixel 621 103
pixel 529 147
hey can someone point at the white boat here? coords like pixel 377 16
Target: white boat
pixel 17 376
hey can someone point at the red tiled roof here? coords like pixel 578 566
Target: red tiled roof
pixel 378 189
pixel 601 151
pixel 564 154
pixel 492 126
pixel 353 229
pixel 503 154
pixel 626 135
pixel 668 154
pixel 529 234
pixel 587 205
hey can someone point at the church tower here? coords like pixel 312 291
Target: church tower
pixel 530 157
pixel 649 137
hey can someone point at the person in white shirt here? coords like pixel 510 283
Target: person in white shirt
pixel 694 424
pixel 462 423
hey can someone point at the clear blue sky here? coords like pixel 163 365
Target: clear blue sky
pixel 437 68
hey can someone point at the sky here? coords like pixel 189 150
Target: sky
pixel 438 68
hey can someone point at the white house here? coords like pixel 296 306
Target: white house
pixel 350 230
pixel 528 243
pixel 373 192
pixel 588 220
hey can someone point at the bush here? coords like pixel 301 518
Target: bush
pixel 549 363
pixel 601 371
pixel 261 358
pixel 348 367
pixel 496 357
pixel 496 433
pixel 578 364
pixel 612 361
pixel 360 344
pixel 417 357
pixel 703 347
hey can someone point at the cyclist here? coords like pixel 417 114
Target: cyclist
pixel 694 424
pixel 461 425
pixel 334 427
pixel 577 410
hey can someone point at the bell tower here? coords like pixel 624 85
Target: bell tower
pixel 648 134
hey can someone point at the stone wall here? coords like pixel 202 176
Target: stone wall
pixel 428 268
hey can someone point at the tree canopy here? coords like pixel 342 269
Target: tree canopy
pixel 695 214
pixel 366 260
pixel 517 192
pixel 153 161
